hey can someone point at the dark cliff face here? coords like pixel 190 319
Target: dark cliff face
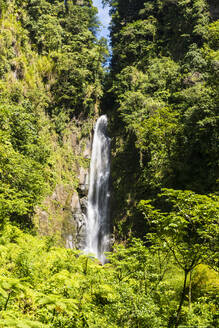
pixel 214 9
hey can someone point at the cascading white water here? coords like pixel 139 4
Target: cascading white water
pixel 98 225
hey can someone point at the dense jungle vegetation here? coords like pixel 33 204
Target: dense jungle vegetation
pixel 161 96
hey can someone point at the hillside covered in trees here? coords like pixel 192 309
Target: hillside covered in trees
pixel 160 93
pixel 164 86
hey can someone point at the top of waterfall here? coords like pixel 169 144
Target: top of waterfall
pixel 101 124
pixel 102 118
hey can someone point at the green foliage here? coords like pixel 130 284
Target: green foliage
pixel 189 230
pixel 76 290
pixel 214 35
pixel 24 157
pixel 136 39
pixel 66 35
pixel 45 286
pixel 163 87
pixel 50 74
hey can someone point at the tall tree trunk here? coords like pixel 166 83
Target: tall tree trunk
pixel 181 300
pixel 190 290
pixel 6 303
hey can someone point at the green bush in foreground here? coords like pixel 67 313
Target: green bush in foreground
pixel 45 286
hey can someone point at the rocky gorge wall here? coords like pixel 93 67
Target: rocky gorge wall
pixel 62 214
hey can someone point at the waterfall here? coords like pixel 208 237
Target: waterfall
pixel 98 225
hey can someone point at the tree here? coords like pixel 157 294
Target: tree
pixel 189 229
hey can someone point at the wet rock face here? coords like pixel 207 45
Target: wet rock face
pixel 76 231
pixel 63 214
pixel 74 227
pixel 83 180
